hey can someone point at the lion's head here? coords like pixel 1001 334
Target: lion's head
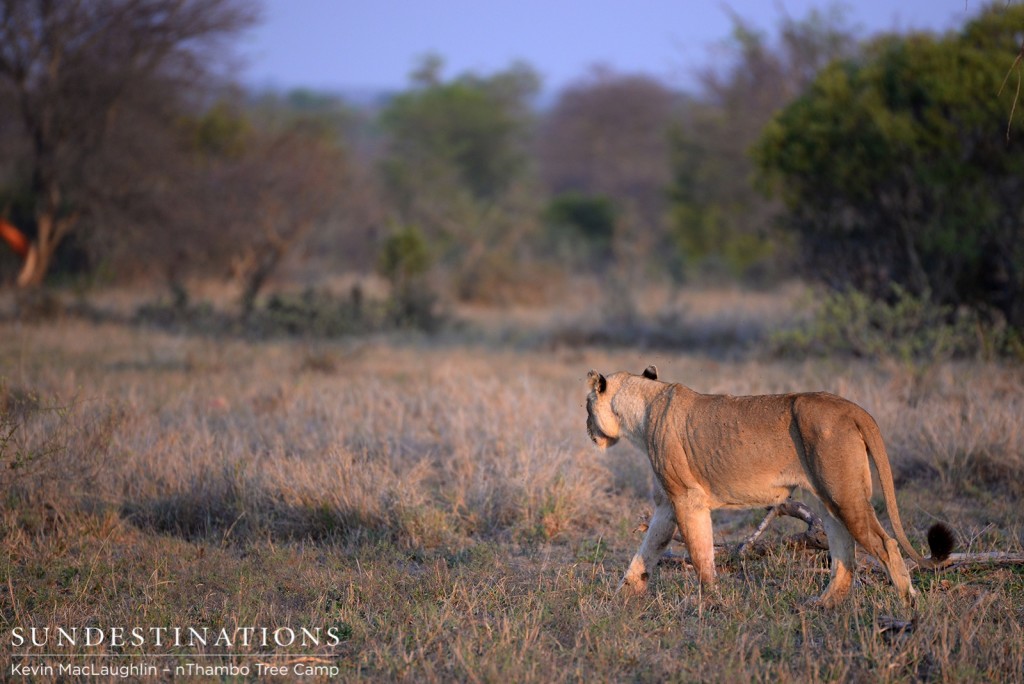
pixel 602 422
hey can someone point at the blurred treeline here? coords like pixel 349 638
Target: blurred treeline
pixel 891 165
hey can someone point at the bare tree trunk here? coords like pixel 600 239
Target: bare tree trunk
pixel 50 231
pixel 261 263
pixel 254 280
pixel 24 248
pixel 29 274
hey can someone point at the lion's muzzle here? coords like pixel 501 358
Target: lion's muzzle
pixel 597 436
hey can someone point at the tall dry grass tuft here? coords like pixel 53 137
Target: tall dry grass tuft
pixel 52 453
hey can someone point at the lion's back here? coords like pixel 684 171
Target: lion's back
pixel 827 411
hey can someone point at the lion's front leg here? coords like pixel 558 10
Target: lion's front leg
pixel 659 533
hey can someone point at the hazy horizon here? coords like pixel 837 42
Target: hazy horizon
pixel 358 46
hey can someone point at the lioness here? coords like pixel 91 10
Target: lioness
pixel 713 451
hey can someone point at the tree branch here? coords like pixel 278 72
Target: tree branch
pixel 1016 98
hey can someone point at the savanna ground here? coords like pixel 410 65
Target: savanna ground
pixel 437 503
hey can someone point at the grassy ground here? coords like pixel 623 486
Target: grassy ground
pixel 438 507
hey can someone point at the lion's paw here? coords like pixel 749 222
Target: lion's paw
pixel 634 585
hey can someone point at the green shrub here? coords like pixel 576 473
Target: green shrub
pixel 904 327
pixel 574 218
pixel 404 259
pixel 403 256
pixel 318 314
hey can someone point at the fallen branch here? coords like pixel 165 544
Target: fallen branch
pixel 960 560
pixel 814 537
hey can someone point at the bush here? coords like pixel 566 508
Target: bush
pixel 904 327
pixel 318 314
pixel 403 256
pixel 310 313
pixel 404 260
pixel 503 279
pixel 576 219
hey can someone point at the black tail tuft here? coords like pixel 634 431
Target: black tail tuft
pixel 941 541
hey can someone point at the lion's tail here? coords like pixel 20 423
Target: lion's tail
pixel 940 536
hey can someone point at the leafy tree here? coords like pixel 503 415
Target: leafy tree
pixel 456 166
pixel 606 139
pixel 470 130
pixel 718 219
pixel 97 87
pixel 894 168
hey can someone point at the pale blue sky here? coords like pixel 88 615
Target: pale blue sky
pixel 374 44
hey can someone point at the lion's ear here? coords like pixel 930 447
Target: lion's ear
pixel 597 381
pixel 651 372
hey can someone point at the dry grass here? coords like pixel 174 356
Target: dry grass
pixel 440 505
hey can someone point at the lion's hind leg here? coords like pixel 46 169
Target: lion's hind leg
pixel 858 523
pixel 843 556
pixel 868 531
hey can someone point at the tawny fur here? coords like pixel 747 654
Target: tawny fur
pixel 718 451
